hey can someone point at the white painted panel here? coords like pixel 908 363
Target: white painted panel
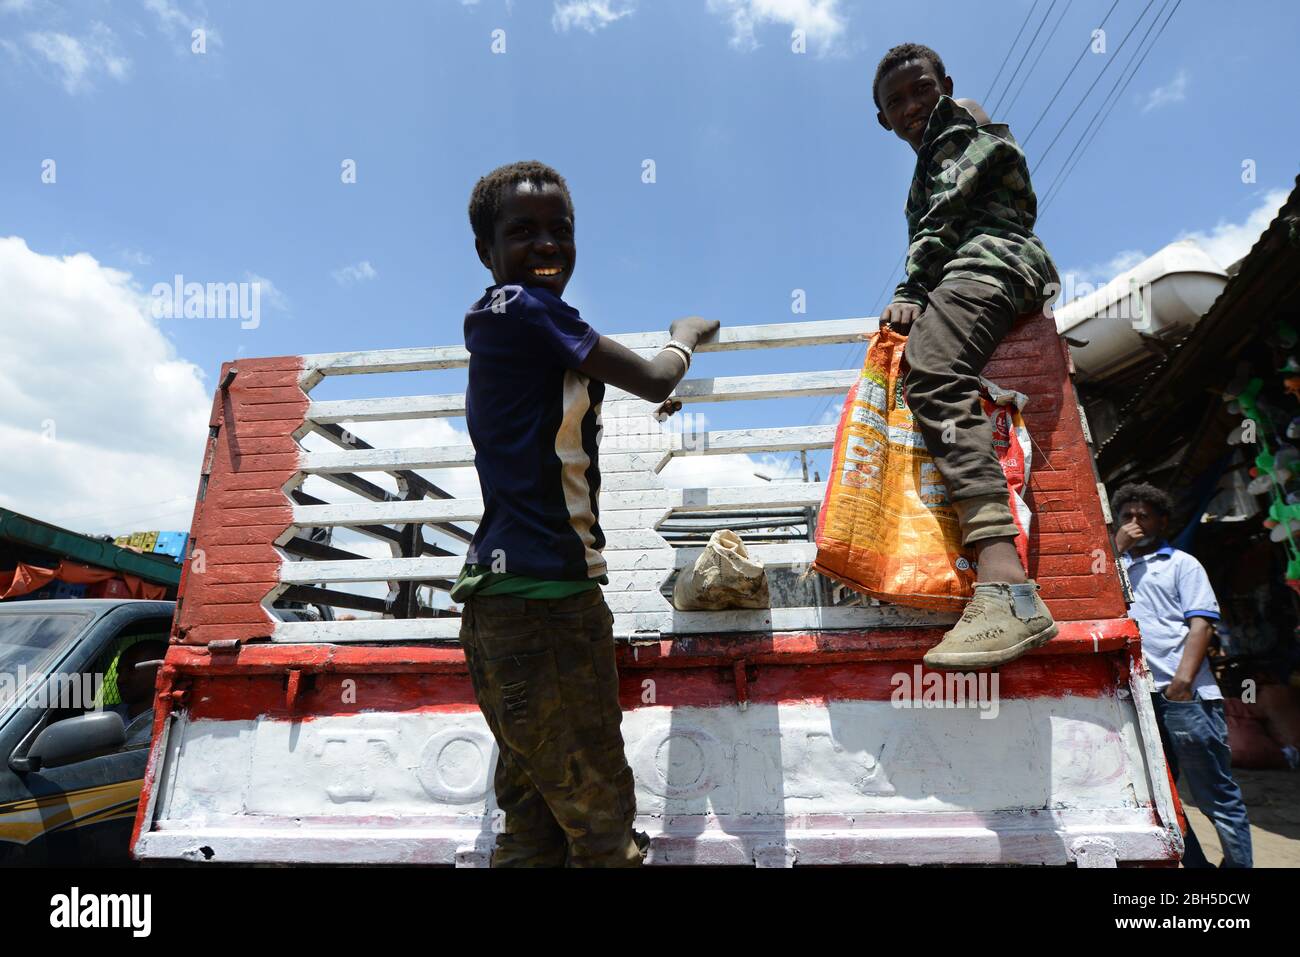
pixel 386 360
pixel 1026 783
pixel 634 538
pixel 627 481
pixel 386 460
pixel 632 518
pixel 848 757
pixel 779 385
pixel 723 442
pixel 773 555
pixel 633 617
pixel 371 570
pixel 387 409
pixel 628 559
pixel 728 338
pixel 727 441
pixel 642 600
pixel 388 513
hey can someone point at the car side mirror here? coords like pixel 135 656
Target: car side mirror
pixel 76 739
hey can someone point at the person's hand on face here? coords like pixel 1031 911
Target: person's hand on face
pixel 1128 535
pixel 1140 526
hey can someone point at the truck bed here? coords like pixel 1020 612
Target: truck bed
pixel 769 737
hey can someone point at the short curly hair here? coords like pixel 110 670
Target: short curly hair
pixel 485 200
pixel 897 56
pixel 1144 494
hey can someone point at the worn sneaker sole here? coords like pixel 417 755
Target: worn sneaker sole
pixel 988 659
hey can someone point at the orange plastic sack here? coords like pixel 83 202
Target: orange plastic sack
pixel 887 528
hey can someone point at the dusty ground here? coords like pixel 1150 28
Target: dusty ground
pixel 1273 804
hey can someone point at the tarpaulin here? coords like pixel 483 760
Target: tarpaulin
pixel 29 578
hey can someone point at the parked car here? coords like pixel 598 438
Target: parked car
pixel 73 767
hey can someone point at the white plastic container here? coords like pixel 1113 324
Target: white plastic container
pixel 1161 298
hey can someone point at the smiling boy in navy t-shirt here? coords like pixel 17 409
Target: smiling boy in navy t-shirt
pixel 537 633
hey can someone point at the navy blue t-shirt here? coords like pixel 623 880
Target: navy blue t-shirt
pixel 535 422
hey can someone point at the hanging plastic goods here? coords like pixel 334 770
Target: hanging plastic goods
pixel 887 528
pixel 1271 471
pixel 724 576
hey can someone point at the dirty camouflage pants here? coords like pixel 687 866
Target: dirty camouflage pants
pixel 947 348
pixel 545 678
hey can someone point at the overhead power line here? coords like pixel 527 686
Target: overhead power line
pixel 1109 61
pixel 997 76
pixel 1079 59
pixel 1032 40
pixel 1033 66
pixel 1119 91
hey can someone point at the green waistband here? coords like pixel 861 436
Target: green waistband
pixel 478 580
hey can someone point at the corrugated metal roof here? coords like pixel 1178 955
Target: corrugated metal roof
pixel 1265 276
pixel 28 531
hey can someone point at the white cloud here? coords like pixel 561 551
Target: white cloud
pixel 1102 273
pixel 268 292
pixel 356 272
pixel 1175 91
pixel 713 471
pixel 1228 242
pixel 168 14
pixel 80 59
pixel 102 423
pixel 1225 242
pixel 821 20
pixel 176 20
pixel 590 15
pixel 692 470
pixel 15 6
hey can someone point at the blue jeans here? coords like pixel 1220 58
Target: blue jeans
pixel 1195 737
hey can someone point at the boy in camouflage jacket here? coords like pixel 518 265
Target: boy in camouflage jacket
pixel 973 266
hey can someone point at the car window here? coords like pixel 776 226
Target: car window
pixel 29 643
pixel 139 731
pixel 108 667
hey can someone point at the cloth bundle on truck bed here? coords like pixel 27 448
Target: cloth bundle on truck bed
pixel 886 527
pixel 724 576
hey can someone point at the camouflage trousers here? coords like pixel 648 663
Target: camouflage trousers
pixel 545 678
pixel 947 348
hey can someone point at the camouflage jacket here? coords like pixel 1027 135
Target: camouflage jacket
pixel 971 212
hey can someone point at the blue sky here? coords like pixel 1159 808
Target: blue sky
pixel 771 176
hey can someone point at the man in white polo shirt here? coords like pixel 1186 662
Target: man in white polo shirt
pixel 1175 607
